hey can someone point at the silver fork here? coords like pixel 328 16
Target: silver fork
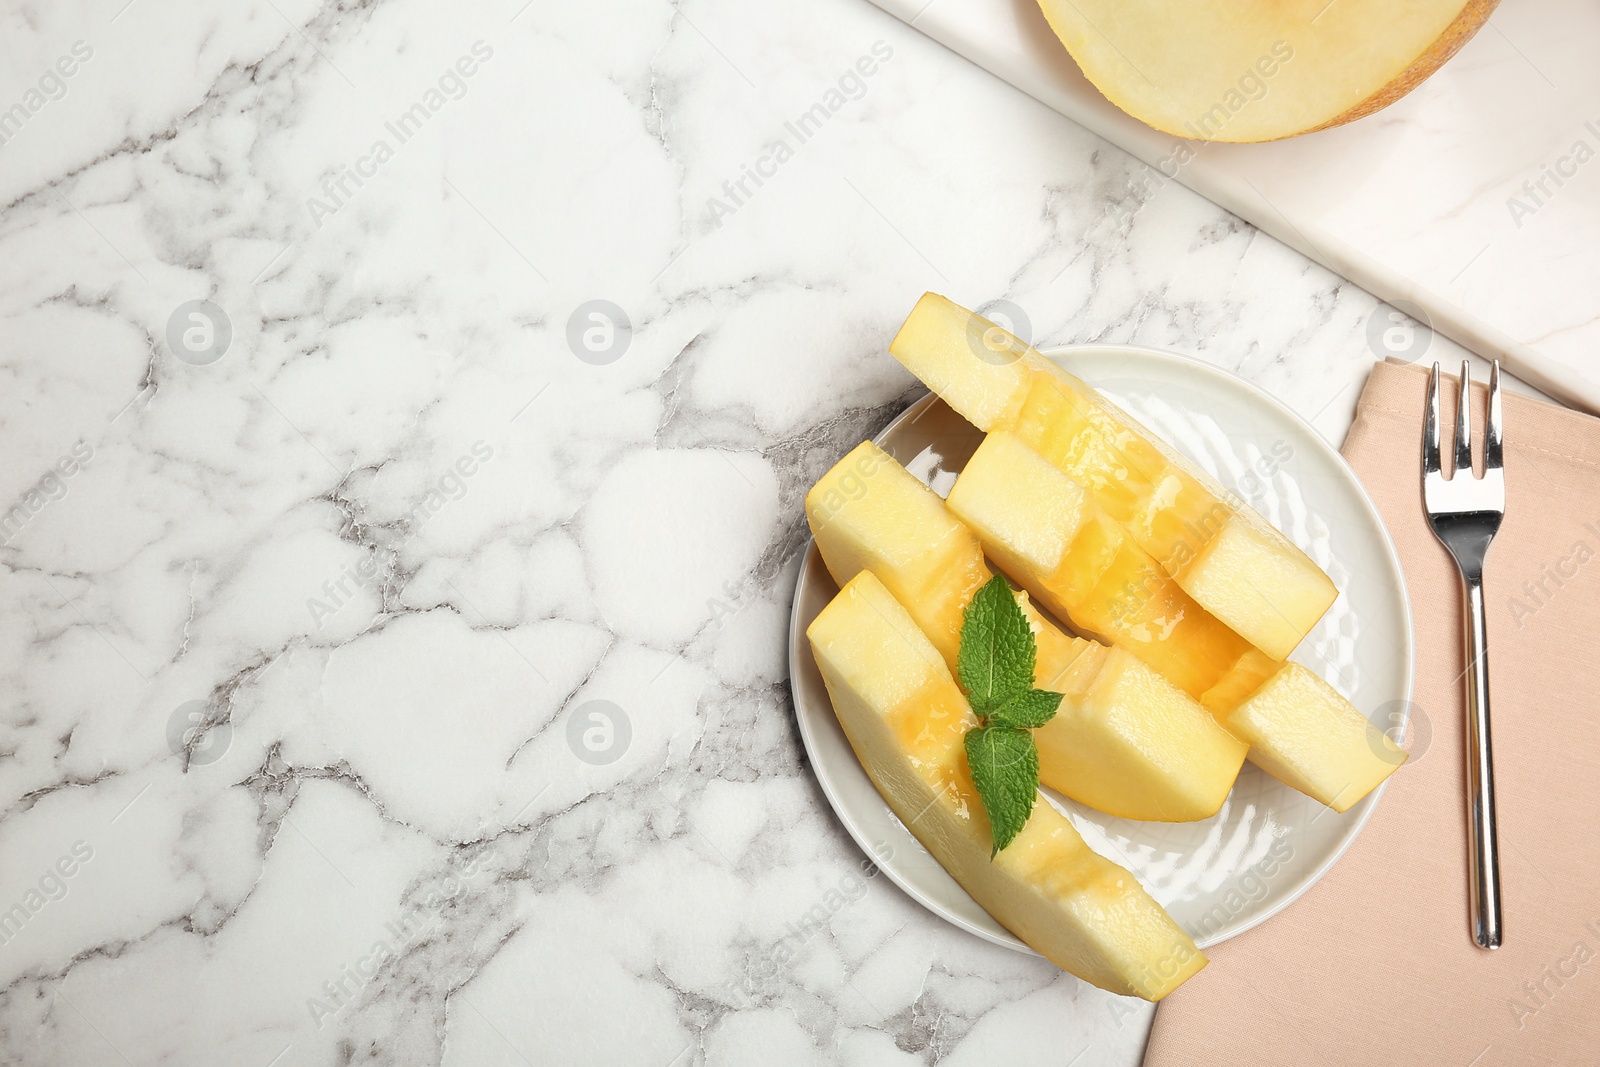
pixel 1465 513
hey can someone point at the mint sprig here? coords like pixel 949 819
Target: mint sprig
pixel 995 667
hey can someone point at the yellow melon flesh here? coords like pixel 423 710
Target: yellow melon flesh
pixel 1046 532
pixel 1222 554
pixel 906 719
pixel 978 368
pixel 1134 744
pixel 870 513
pixel 1319 744
pixel 1125 741
pixel 1215 70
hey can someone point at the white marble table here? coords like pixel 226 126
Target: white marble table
pixel 335 519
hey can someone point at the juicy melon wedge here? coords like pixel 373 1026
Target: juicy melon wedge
pixel 1222 554
pixel 906 719
pixel 1124 741
pixel 1047 533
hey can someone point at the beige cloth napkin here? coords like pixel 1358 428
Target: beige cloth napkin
pixel 1375 966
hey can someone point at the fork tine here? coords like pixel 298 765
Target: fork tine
pixel 1430 425
pixel 1464 423
pixel 1492 457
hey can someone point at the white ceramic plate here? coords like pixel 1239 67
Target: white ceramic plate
pixel 1269 843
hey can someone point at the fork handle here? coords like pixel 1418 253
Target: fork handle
pixel 1485 844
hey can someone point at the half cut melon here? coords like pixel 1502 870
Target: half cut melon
pixel 1219 70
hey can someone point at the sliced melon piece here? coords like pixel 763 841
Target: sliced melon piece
pixel 979 369
pixel 1219 71
pixel 870 513
pixel 1318 743
pixel 1136 744
pixel 1046 533
pixel 906 719
pixel 1227 557
pixel 1223 554
pixel 1124 741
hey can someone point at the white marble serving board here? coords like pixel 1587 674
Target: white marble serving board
pixel 1424 202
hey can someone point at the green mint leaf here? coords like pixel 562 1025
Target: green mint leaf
pixel 997 648
pixel 995 666
pixel 1026 711
pixel 1005 768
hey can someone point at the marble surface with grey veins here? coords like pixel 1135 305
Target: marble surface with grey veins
pixel 406 413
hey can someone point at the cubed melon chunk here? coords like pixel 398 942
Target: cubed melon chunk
pixel 1308 736
pixel 978 368
pixel 1222 553
pixel 906 719
pixel 1133 744
pixel 1125 741
pixel 870 513
pixel 1269 596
